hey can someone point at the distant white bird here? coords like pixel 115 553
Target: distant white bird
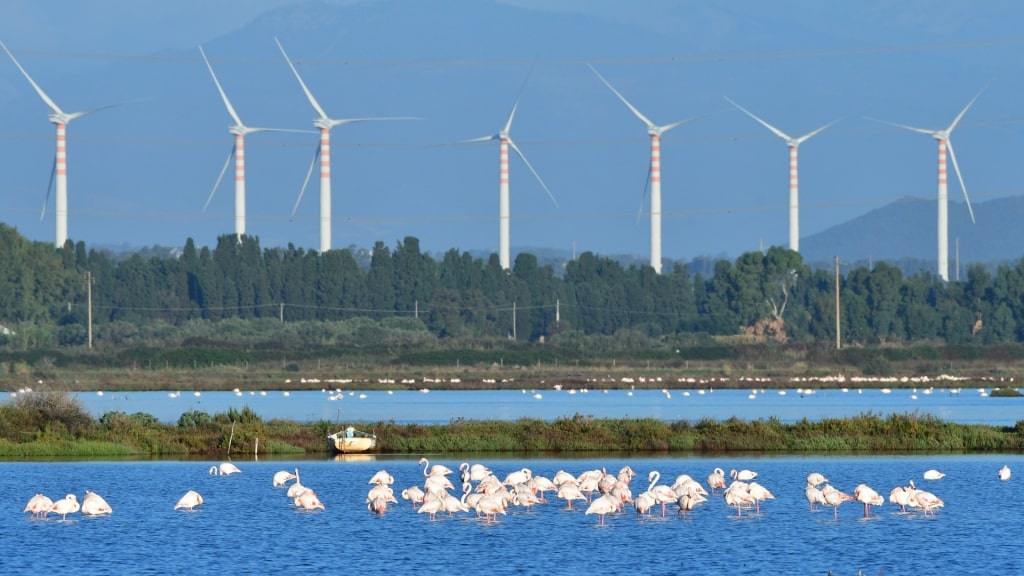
pixel 39 505
pixel 933 475
pixel 742 475
pixel 282 477
pixel 66 506
pixel 225 469
pixel 190 500
pixel 1004 473
pixel 94 505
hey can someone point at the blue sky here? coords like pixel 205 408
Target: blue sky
pixel 798 64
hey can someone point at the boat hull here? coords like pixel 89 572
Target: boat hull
pixel 350 441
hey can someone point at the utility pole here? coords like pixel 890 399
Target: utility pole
pixel 838 339
pixel 558 311
pixel 513 320
pixel 88 292
pixel 280 312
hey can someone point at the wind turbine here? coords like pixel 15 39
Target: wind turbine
pixel 505 141
pixel 59 172
pixel 943 137
pixel 323 151
pixel 237 152
pixel 794 188
pixel 654 173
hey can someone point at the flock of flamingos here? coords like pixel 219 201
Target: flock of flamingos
pixel 603 493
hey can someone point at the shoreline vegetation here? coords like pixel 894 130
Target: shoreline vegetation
pixel 54 424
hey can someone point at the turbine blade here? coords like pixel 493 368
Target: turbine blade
pixel 952 156
pixel 667 127
pixel 49 102
pixel 814 133
pixel 535 174
pixel 964 111
pixel 511 115
pixel 223 95
pixel 309 95
pixel 251 130
pixel 343 121
pixel 49 187
pixel 480 139
pixel 904 126
pixel 309 174
pixel 623 98
pixel 219 178
pixel 774 130
pixel 643 197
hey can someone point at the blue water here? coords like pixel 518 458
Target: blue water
pixel 405 406
pixel 248 527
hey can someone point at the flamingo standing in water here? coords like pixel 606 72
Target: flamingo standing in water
pixel 933 475
pixel 39 505
pixel 190 500
pixel 813 495
pixel 1004 473
pixel 738 495
pixel 834 498
pixel 742 475
pixel 901 495
pixel 308 500
pixel 94 505
pixel 602 506
pixel 225 469
pixel 282 477
pixel 716 479
pixel 816 479
pixel 68 505
pixel 570 491
pixel 437 470
pixel 866 495
pixel 661 493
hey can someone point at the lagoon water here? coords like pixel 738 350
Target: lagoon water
pixel 246 526
pixel 969 406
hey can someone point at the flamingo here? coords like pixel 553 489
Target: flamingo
pixel 490 506
pixel 1004 473
pixel 68 505
pixel 432 504
pixel 716 479
pixel 737 494
pixel 308 500
pixel 569 491
pixel 661 493
pixel 413 494
pixel 742 475
pixel 834 498
pixel 561 477
pixel 190 500
pixel 282 477
pixel 437 470
pixel 518 477
pixel 380 491
pixel 865 494
pixel 933 475
pixel 382 477
pixel 643 503
pixel 541 484
pixel 94 505
pixel 474 473
pixel 926 501
pixel 901 495
pixel 759 493
pixel 225 469
pixel 39 505
pixel 688 501
pixel 602 506
pixel 816 479
pixel 813 495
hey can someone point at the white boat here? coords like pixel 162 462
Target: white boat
pixel 351 440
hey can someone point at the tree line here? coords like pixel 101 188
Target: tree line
pixel 47 295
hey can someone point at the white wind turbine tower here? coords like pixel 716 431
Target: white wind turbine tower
pixel 60 171
pixel 237 151
pixel 794 188
pixel 655 171
pixel 943 137
pixel 324 123
pixel 504 252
